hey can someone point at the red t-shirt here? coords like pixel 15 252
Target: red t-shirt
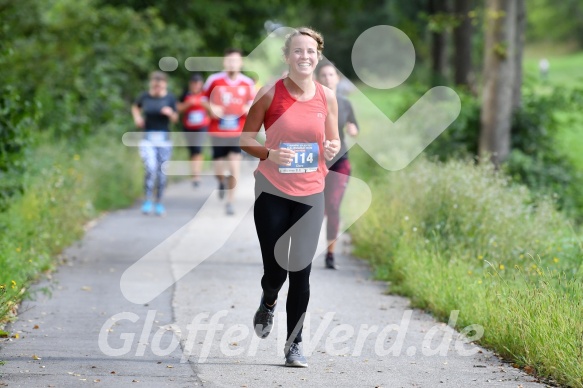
pixel 232 96
pixel 196 116
pixel 301 125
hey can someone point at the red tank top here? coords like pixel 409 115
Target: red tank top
pixel 301 123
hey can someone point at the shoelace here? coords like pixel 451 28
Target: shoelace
pixel 295 349
pixel 265 315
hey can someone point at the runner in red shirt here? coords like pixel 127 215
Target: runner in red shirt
pixel 228 97
pixel 301 128
pixel 195 122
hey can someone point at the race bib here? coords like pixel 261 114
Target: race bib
pixel 305 159
pixel 195 118
pixel 229 123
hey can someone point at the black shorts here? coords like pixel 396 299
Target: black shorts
pixel 223 146
pixel 195 140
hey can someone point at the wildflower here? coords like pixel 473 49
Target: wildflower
pixel 534 266
pixel 13 284
pixel 18 250
pixel 470 272
pixel 479 282
pixel 406 218
pixel 501 266
pixel 556 259
pixel 521 256
pixel 414 229
pixel 76 157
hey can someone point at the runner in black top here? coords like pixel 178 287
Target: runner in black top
pixel 153 111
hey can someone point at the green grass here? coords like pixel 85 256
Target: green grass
pixel 63 190
pixel 459 237
pixel 566 69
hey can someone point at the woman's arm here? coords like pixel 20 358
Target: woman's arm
pixel 351 124
pixel 137 115
pixel 253 123
pixel 332 143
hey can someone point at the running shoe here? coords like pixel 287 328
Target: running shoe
pixel 160 211
pixel 263 319
pixel 330 261
pixel 195 184
pixel 230 210
pixel 221 190
pixel 295 357
pixel 147 207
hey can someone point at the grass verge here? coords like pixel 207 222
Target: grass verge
pixel 63 189
pixel 455 236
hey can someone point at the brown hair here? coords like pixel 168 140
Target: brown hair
pixel 307 31
pixel 157 74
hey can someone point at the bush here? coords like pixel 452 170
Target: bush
pixel 455 236
pixel 538 158
pixel 62 191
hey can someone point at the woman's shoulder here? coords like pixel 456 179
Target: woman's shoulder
pixel 266 93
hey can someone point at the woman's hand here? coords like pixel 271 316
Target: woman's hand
pixel 331 148
pixel 139 121
pixel 351 129
pixel 167 111
pixel 281 156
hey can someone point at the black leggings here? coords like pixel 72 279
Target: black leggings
pixel 275 213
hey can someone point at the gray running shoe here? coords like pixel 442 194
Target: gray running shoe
pixel 295 357
pixel 263 320
pixel 230 210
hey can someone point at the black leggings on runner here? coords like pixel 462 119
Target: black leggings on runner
pixel 275 213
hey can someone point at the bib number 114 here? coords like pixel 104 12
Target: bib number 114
pixel 301 158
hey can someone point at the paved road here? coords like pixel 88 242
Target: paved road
pixel 89 333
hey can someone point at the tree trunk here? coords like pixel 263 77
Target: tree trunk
pixel 462 38
pixel 519 48
pixel 438 44
pixel 499 73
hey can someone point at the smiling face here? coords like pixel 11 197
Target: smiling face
pixel 303 55
pixel 328 76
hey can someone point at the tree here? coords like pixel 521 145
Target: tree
pixel 499 78
pixel 438 13
pixel 519 48
pixel 462 38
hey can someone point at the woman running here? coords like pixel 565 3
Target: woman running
pixel 153 111
pixel 301 128
pixel 337 181
pixel 195 122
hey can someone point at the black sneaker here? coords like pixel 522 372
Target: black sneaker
pixel 263 319
pixel 295 357
pixel 330 261
pixel 221 190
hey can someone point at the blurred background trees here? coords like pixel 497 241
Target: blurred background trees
pixel 69 65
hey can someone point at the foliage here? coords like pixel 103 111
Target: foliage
pixel 458 236
pixel 62 190
pixel 537 158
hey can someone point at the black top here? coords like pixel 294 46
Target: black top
pixel 345 115
pixel 151 107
